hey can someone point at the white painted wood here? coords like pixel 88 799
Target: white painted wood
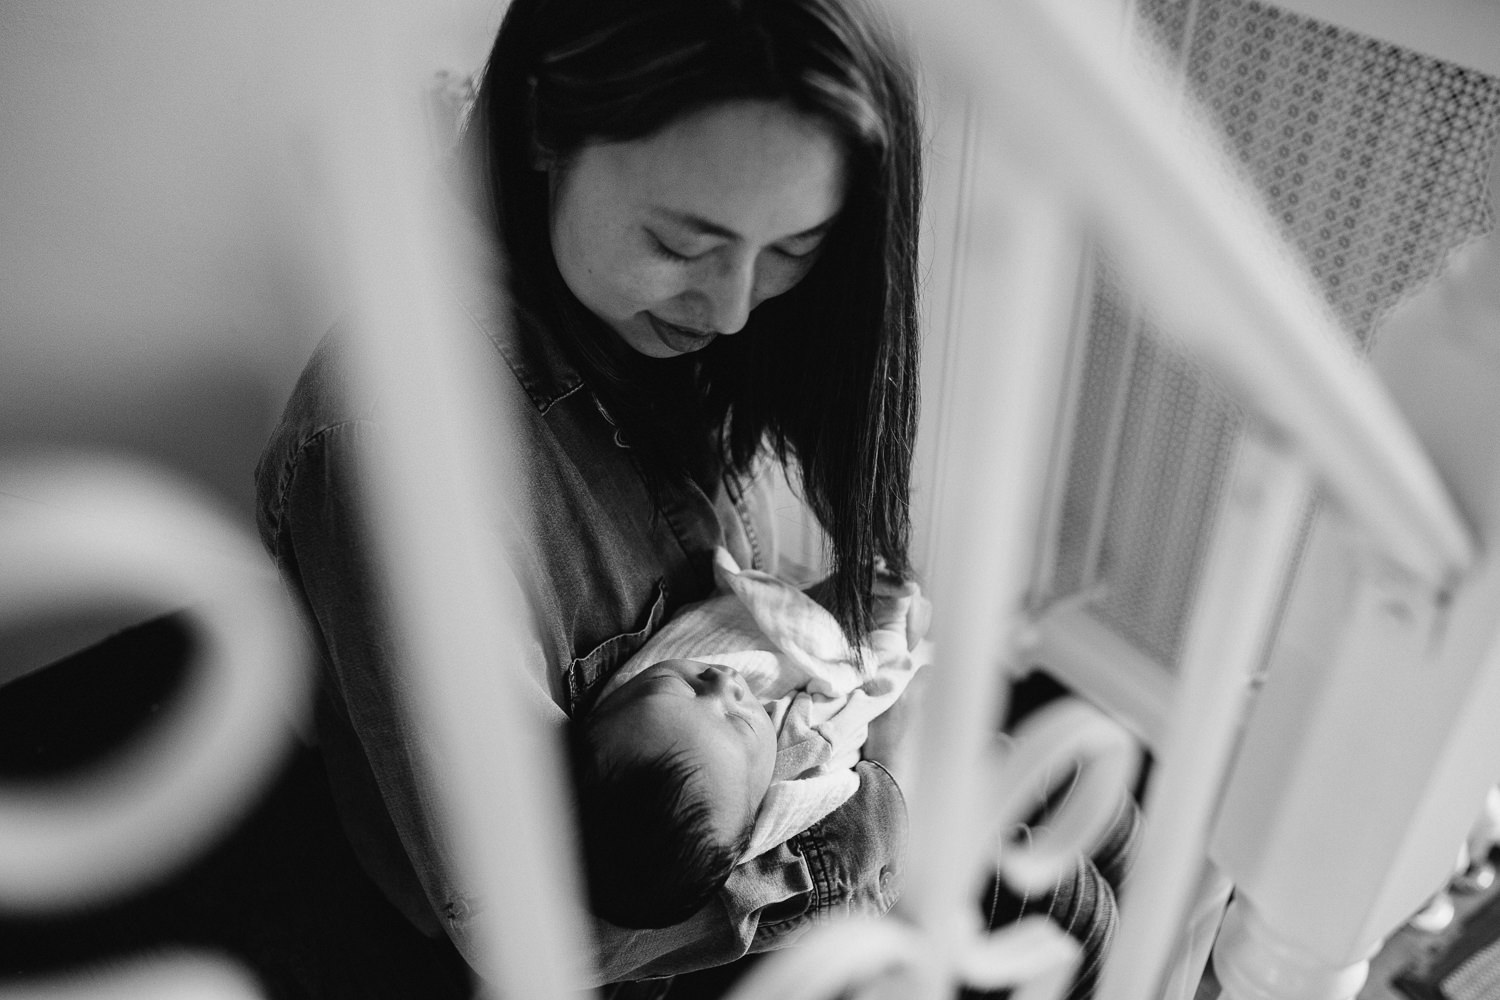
pixel 1020 264
pixel 1200 931
pixel 32 645
pixel 1399 653
pixel 1336 758
pixel 1255 961
pixel 1200 248
pixel 946 217
pixel 1374 742
pixel 498 784
pixel 1095 660
pixel 1098 524
pixel 1262 384
pixel 1242 577
pixel 166 976
pixel 1064 435
pixel 103 530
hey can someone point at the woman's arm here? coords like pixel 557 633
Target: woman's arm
pixel 894 733
pixel 892 738
pixel 376 758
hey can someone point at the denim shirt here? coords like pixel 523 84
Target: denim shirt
pixel 605 555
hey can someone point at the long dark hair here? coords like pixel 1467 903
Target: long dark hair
pixel 825 374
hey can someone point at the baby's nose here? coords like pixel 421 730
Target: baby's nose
pixel 721 678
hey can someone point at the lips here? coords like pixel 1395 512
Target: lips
pixel 679 338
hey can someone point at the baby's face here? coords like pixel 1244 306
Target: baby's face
pixel 706 709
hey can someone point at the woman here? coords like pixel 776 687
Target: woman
pixel 828 369
pixel 708 211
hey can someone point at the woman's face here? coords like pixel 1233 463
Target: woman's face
pixel 672 239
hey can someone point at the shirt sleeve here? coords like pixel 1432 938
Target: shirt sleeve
pixel 379 764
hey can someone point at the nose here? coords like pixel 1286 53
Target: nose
pixel 721 680
pixel 730 294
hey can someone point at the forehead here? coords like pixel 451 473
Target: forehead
pixel 657 712
pixel 752 166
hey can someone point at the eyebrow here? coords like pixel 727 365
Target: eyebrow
pixel 710 228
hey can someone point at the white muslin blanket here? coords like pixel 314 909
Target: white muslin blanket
pixel 821 694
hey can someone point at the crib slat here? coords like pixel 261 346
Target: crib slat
pixel 1198 245
pixel 1022 263
pixel 1228 634
pixel 502 788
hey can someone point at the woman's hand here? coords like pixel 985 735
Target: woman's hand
pixel 892 739
pixel 918 609
pixel 889 591
pixel 902 616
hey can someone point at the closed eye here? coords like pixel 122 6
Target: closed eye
pixel 803 255
pixel 693 692
pixel 675 679
pixel 667 253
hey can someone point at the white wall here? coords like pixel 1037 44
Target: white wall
pixel 160 278
pixel 161 273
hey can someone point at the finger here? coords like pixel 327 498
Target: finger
pixel 918 619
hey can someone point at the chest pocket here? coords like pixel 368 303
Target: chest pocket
pixel 587 673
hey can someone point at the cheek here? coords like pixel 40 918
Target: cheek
pixel 647 282
pixel 606 272
pixel 776 275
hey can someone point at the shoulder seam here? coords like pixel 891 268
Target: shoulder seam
pixel 288 470
pixel 541 400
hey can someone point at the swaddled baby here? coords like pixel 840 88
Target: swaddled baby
pixel 736 727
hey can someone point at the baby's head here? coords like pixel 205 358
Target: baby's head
pixel 670 769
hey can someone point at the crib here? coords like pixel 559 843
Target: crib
pixel 1203 271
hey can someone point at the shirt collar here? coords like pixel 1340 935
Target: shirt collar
pixel 529 348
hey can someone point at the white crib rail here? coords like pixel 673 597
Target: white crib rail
pixel 1092 136
pixel 97 531
pixel 1065 100
pixel 101 531
pixel 446 592
pixel 503 797
pixel 1085 145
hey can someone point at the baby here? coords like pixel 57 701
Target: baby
pixel 735 727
